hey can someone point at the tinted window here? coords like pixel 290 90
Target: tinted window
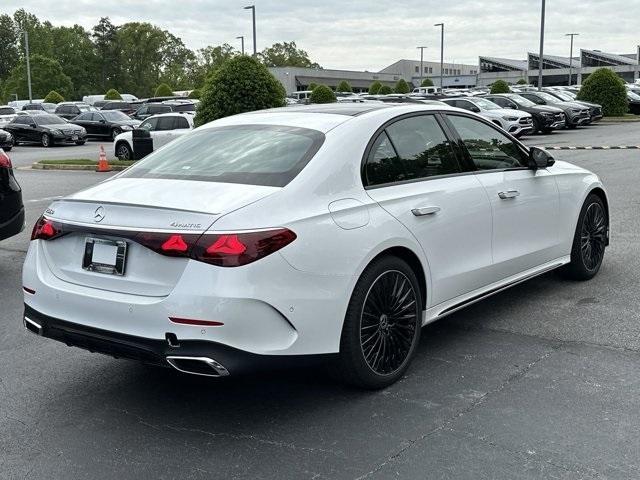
pixel 180 122
pixel 7 111
pixel 410 149
pixel 21 120
pixel 165 123
pixel 159 109
pixel 184 107
pixel 115 116
pixel 489 149
pixel 85 117
pixel 48 119
pixel 149 124
pixel 250 154
pixel 503 102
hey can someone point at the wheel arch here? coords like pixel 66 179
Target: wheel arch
pixel 599 191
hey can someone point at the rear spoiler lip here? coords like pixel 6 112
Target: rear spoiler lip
pixel 125 204
pixel 123 228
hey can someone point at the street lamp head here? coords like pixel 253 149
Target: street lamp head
pixel 439 25
pixel 571 34
pixel 249 7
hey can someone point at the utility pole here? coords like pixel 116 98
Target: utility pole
pixel 541 60
pixel 421 63
pixel 253 15
pixel 441 25
pixel 26 47
pixel 241 37
pixel 571 56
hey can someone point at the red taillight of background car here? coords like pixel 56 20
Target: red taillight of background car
pixel 45 229
pixel 237 249
pixel 5 161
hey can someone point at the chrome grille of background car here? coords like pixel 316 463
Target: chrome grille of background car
pixel 525 121
pixel 559 116
pixel 71 132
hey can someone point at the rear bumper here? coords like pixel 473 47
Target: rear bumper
pixel 13 226
pixel 155 351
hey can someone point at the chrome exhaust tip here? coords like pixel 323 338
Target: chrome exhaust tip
pixel 32 326
pixel 198 366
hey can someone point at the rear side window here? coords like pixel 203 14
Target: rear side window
pixel 410 149
pixel 165 123
pixel 159 109
pixel 249 154
pixel 7 111
pixel 180 123
pixel 184 107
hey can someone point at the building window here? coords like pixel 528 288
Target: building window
pixel 417 69
pixel 446 71
pixel 426 69
pixel 430 69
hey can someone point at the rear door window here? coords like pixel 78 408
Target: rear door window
pixel 180 123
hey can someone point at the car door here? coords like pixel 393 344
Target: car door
pixel 100 125
pixel 414 173
pixel 164 131
pixel 525 202
pixel 31 132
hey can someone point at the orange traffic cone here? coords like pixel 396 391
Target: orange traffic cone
pixel 103 165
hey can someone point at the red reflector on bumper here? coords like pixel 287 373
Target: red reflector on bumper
pixel 201 323
pixel 29 290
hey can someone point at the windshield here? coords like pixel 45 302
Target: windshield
pixel 564 96
pixel 85 108
pixel 633 95
pixel 249 154
pixel 486 104
pixel 523 102
pixel 47 119
pixel 114 116
pixel 548 97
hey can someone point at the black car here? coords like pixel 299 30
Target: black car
pixel 70 110
pixel 575 114
pixel 545 117
pixel 45 107
pixel 6 140
pixel 634 102
pixel 105 123
pixel 11 207
pixel 148 109
pixel 595 110
pixel 125 107
pixel 45 129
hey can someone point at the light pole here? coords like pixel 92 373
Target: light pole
pixel 241 37
pixel 571 56
pixel 26 47
pixel 421 63
pixel 541 59
pixel 253 15
pixel 441 25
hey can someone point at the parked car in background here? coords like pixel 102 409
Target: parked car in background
pixel 634 102
pixel 11 207
pixel 426 90
pixel 301 96
pixel 105 123
pixel 515 122
pixel 45 107
pixel 575 114
pixel 7 113
pixel 163 129
pixel 45 129
pixel 545 118
pixel 70 110
pixel 99 103
pixel 94 99
pixel 6 140
pixel 595 110
pixel 157 108
pixel 125 107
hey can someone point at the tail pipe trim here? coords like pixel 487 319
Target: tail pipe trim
pixel 198 366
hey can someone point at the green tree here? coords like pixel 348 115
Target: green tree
pixel 9 54
pixel 179 64
pixel 163 90
pixel 322 94
pixel 427 82
pixel 385 90
pixel 607 89
pixel 286 54
pixel 46 75
pixel 242 84
pixel 107 52
pixel 344 86
pixel 402 86
pixel 311 86
pixel 211 58
pixel 53 97
pixel 73 48
pixel 374 88
pixel 195 94
pixel 522 81
pixel 500 86
pixel 112 94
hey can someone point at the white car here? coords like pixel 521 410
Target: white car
pixel 163 128
pixel 329 230
pixel 7 113
pixel 516 122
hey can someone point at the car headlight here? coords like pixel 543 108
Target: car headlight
pixel 546 114
pixel 56 132
pixel 127 127
pixel 575 110
pixel 510 119
pixel 82 130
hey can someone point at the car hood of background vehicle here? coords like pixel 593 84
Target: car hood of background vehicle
pixel 186 195
pixel 60 126
pixel 570 105
pixel 547 108
pixel 131 123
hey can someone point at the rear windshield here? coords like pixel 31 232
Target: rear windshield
pixel 115 116
pixel 184 107
pixel 7 111
pixel 249 154
pixel 47 119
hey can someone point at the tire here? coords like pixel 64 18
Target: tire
pixel 589 240
pixel 81 143
pixel 123 151
pixel 370 334
pixel 114 133
pixel 537 127
pixel 547 131
pixel 45 140
pixel 572 126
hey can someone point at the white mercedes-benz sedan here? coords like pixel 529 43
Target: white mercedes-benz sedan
pixel 292 233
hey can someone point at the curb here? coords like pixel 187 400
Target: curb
pixel 91 168
pixel 588 147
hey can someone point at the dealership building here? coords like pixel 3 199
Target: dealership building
pixel 555 71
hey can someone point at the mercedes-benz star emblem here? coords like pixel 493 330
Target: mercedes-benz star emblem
pixel 99 214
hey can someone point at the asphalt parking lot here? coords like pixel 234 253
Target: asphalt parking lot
pixel 540 381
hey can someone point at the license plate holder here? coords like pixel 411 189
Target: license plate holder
pixel 105 256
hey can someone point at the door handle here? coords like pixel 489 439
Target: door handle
pixel 509 194
pixel 422 211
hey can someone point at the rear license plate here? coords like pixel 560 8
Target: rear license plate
pixel 74 138
pixel 104 256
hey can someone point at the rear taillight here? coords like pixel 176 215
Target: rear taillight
pixel 170 244
pixel 236 249
pixel 45 229
pixel 5 161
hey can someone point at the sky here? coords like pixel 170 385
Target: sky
pixel 369 35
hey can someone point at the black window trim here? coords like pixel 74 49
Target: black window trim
pixel 462 162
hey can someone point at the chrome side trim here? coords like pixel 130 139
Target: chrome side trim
pixel 96 226
pixel 217 369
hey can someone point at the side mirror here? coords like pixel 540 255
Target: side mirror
pixel 475 109
pixel 539 158
pixel 33 125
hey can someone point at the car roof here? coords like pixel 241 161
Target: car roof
pixel 187 115
pixel 348 109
